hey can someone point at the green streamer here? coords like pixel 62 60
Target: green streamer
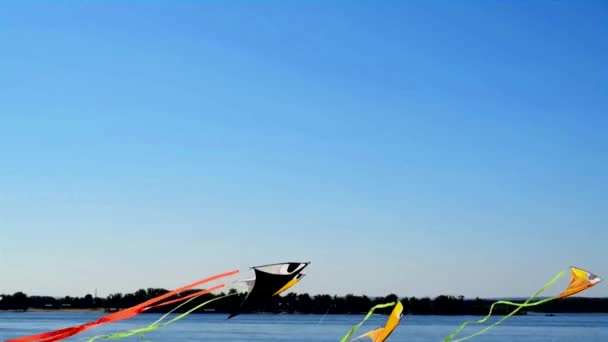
pixel 518 305
pixel 158 323
pixel 369 314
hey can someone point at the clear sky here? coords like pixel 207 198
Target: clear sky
pixel 417 148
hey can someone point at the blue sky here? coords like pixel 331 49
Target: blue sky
pixel 417 148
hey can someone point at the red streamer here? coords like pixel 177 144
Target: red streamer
pixel 127 313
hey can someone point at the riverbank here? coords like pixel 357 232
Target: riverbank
pixel 72 311
pixel 298 303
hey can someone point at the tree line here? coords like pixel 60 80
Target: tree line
pixel 300 303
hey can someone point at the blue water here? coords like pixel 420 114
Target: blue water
pixel 315 328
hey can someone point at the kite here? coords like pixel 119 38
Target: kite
pixel 270 280
pixel 380 334
pixel 127 313
pixel 580 280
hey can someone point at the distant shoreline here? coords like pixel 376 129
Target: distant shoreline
pixel 105 311
pixel 292 303
pixel 57 310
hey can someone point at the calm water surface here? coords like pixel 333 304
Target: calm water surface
pixel 315 328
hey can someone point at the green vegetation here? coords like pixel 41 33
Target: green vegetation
pixel 301 303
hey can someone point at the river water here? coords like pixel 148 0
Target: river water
pixel 314 328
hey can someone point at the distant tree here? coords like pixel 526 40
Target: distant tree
pixel 86 302
pixel 19 301
pixel 391 298
pixel 289 303
pixel 322 304
pixel 114 301
pixel 305 303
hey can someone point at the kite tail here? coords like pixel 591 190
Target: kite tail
pixel 124 314
pixel 367 316
pixel 158 323
pixel 518 305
